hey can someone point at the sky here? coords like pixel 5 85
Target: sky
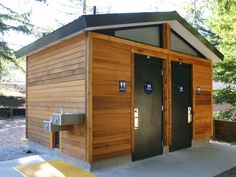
pixel 56 13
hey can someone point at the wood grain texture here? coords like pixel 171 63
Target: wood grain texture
pixel 56 79
pixel 203 109
pixel 202 74
pixel 166 44
pixel 166 36
pixel 89 99
pixel 111 108
pixel 26 98
pixel 82 74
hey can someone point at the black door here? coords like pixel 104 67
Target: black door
pixel 181 106
pixel 148 107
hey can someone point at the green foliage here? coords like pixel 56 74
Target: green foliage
pixel 11 101
pixel 216 20
pixel 196 13
pixel 227 115
pixel 226 95
pixel 223 23
pixel 11 21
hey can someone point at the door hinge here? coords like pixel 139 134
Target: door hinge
pixel 162 72
pixel 162 107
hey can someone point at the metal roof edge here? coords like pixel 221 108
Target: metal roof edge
pixel 210 46
pixel 51 38
pixel 116 19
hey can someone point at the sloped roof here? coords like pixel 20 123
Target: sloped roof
pixel 111 21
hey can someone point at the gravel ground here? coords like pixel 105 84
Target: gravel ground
pixel 12 139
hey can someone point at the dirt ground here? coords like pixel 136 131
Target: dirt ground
pixel 13 143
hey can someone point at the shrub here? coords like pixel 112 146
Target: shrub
pixel 226 115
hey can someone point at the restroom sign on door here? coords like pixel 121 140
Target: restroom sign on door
pixel 148 87
pixel 180 89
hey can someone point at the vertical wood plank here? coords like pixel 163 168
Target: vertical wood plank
pixel 212 103
pixel 193 101
pixel 89 96
pixel 61 144
pixel 52 140
pixel 165 100
pixel 166 36
pixel 26 101
pixel 166 43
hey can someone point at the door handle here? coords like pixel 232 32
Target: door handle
pixel 136 123
pixel 189 114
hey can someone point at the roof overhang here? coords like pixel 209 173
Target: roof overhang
pixel 112 21
pixel 199 43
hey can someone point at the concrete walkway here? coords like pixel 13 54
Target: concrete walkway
pixel 204 161
pixel 6 167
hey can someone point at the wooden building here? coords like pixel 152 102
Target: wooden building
pixel 143 82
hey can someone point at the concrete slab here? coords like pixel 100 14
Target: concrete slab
pixel 7 170
pixel 205 160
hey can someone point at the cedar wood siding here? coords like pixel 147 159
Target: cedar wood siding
pixel 111 108
pixel 112 127
pixel 55 79
pixel 203 107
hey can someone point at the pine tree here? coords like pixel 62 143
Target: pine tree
pixel 223 23
pixel 197 12
pixel 11 21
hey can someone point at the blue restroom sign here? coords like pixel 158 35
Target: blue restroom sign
pixel 180 89
pixel 148 87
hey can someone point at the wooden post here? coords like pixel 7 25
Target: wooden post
pixel 212 103
pixel 89 98
pixel 166 36
pixel 166 44
pixel 52 140
pixel 193 102
pixel 26 100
